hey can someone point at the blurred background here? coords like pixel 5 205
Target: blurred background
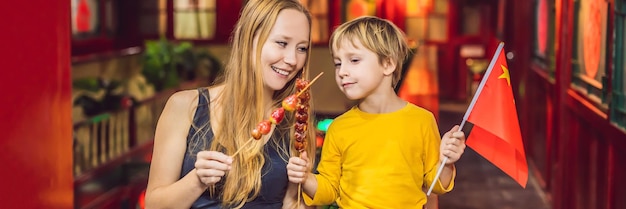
pixel 84 81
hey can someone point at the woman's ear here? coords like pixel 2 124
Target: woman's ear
pixel 389 66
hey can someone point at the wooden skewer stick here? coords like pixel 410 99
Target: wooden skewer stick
pixel 309 85
pixel 299 194
pixel 300 184
pixel 244 145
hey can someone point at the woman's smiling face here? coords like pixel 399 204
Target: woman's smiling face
pixel 285 51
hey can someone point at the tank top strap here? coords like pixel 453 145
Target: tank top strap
pixel 203 113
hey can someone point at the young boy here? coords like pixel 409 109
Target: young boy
pixel 384 151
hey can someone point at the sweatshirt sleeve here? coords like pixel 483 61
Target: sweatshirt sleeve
pixel 329 170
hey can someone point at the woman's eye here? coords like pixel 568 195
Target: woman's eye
pixel 282 43
pixel 303 49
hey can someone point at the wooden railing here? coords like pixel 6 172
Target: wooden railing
pixel 100 139
pixel 112 153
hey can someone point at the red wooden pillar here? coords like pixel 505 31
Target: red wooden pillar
pixel 562 189
pixel 35 112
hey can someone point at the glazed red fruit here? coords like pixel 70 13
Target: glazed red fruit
pixel 299 137
pixel 300 146
pixel 301 83
pixel 300 127
pixel 256 134
pixel 290 102
pixel 302 108
pixel 277 115
pixel 302 117
pixel 264 127
pixel 304 97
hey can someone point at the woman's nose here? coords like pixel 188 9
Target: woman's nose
pixel 290 57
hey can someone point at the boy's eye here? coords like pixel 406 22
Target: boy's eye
pixel 337 64
pixel 354 60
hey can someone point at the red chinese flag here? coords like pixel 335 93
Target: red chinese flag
pixel 496 134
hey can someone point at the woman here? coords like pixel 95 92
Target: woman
pixel 199 130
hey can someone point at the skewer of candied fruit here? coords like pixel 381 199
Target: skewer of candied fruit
pixel 289 104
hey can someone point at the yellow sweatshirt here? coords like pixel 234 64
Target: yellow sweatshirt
pixel 379 160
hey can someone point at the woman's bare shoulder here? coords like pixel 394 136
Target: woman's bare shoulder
pixel 182 103
pixel 215 91
pixel 184 96
pixel 185 103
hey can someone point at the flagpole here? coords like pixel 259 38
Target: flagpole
pixel 469 109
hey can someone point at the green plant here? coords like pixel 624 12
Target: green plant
pixel 166 63
pixel 161 59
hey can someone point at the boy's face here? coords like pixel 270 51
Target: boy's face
pixel 358 72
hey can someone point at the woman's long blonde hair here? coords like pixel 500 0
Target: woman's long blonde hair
pixel 241 102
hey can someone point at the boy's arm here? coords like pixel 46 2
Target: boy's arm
pixel 303 179
pixel 452 147
pixel 291 198
pixel 309 187
pixel 447 175
pixel 323 188
pixel 432 161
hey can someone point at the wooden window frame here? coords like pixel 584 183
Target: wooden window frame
pixel 98 42
pixel 545 60
pixel 617 88
pixel 227 14
pixel 587 87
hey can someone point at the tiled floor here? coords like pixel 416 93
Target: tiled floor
pixel 479 184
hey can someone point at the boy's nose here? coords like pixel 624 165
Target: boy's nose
pixel 342 72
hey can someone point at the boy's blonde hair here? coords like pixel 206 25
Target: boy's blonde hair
pixel 378 35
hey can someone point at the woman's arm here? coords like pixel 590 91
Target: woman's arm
pixel 165 190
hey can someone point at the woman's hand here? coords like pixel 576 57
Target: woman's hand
pixel 297 168
pixel 452 145
pixel 211 166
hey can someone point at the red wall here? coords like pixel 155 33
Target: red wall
pixel 575 152
pixel 35 111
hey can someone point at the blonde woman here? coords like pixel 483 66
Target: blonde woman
pixel 199 130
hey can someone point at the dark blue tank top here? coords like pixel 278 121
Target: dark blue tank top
pixel 274 172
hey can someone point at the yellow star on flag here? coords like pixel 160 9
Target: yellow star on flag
pixel 505 74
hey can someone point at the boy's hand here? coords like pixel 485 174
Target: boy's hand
pixel 452 145
pixel 297 168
